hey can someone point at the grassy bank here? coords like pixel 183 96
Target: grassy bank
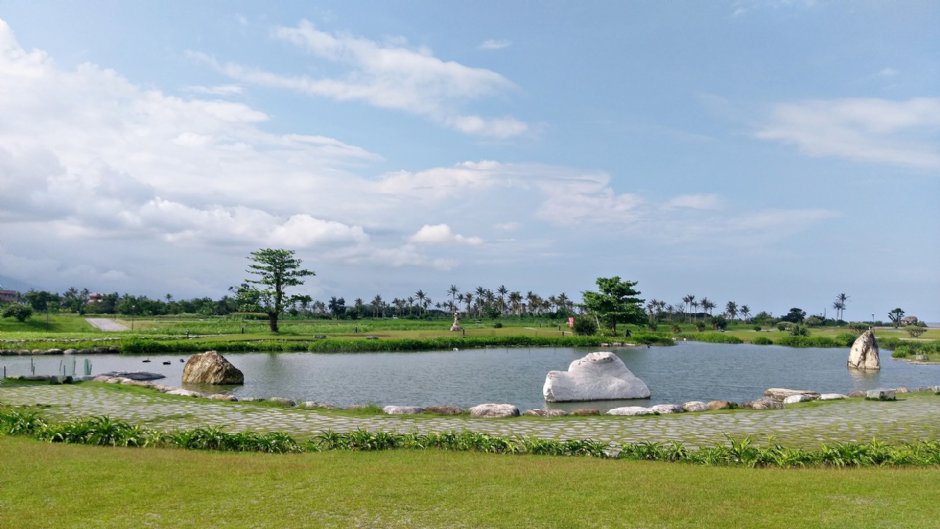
pixel 236 334
pixel 117 488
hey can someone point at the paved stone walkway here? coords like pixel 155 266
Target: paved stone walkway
pixel 909 419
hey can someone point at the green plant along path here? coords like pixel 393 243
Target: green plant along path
pixel 910 419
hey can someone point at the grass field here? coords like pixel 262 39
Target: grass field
pixel 64 486
pixel 236 333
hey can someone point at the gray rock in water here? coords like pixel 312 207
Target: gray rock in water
pixel 402 410
pixel 663 409
pixel 494 410
pixel 782 393
pixel 631 411
pixel 764 403
pixel 720 405
pixel 211 368
pixel 597 376
pixel 546 413
pixel 793 399
pixel 864 352
pixel 832 396
pixel 695 405
pixel 444 410
pixel 880 394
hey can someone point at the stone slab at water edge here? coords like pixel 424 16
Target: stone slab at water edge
pixel 597 376
pixel 864 352
pixel 211 368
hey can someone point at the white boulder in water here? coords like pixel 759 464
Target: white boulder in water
pixel 864 353
pixel 597 376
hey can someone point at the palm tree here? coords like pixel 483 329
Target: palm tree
pixel 732 309
pixel 515 302
pixel 421 297
pixel 378 307
pixel 690 299
pixel 745 312
pixel 502 291
pixel 707 305
pixel 839 304
pixel 453 292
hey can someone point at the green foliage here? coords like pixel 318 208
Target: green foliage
pixel 104 431
pixel 799 330
pixel 915 330
pixel 762 340
pixel 18 311
pixel 585 326
pixel 275 270
pixel 615 302
pixel 757 328
pixel 715 337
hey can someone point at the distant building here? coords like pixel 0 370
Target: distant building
pixel 9 296
pixel 909 320
pixel 95 297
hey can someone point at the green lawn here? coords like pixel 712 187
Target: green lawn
pixel 65 486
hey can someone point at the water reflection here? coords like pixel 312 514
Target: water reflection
pixel 684 372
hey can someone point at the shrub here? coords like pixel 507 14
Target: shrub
pixel 799 330
pixel 782 326
pixel 915 331
pixel 498 325
pixel 757 328
pixel 19 311
pixel 585 326
pixel 717 337
pixel 762 340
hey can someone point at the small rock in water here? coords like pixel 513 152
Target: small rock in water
pixel 721 405
pixel 695 405
pixel 402 410
pixel 880 394
pixel 494 410
pixel 832 396
pixel 631 411
pixel 663 409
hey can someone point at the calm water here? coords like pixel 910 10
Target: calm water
pixel 687 371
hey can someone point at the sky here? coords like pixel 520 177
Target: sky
pixel 773 153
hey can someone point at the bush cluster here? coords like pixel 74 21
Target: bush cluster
pixel 108 432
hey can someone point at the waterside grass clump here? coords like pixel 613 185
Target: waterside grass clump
pixel 104 431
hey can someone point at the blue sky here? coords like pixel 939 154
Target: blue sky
pixel 774 153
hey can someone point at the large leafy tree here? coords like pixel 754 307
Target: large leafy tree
pixel 274 271
pixel 615 302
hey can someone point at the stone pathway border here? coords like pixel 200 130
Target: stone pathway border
pixel 908 419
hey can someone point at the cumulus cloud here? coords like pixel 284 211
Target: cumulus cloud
pixel 900 133
pixel 442 234
pixel 387 75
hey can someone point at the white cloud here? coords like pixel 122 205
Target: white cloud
pixel 495 44
pixel 225 90
pixel 698 201
pixel 388 76
pixel 442 234
pixel 900 133
pixel 888 72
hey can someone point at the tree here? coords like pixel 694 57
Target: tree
pixel 896 316
pixel 19 311
pixel 795 315
pixel 275 271
pixel 689 298
pixel 616 302
pixel 839 305
pixel 732 309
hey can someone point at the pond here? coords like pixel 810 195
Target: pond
pixel 684 372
